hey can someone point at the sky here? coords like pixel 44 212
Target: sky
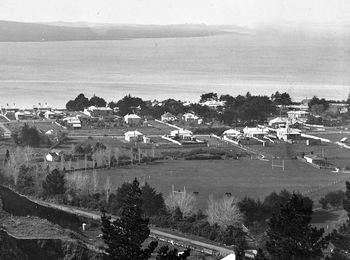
pixel 247 13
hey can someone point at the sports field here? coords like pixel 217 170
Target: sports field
pixel 241 178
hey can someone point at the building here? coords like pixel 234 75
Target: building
pixel 23 115
pixel 188 117
pixel 213 103
pixel 54 155
pixel 182 134
pixel 342 108
pixel 134 136
pixel 255 132
pixel 232 133
pixel 72 121
pixel 132 119
pixel 314 159
pixel 278 122
pixel 101 112
pixel 298 116
pixel 288 134
pixel 168 117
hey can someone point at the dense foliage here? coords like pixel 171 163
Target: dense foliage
pixel 290 234
pixel 27 136
pixel 125 235
pixel 54 183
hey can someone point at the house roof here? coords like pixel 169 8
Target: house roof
pixel 255 130
pixel 298 112
pixel 232 132
pixel 167 114
pixel 181 131
pixel 133 133
pixel 131 116
pixel 278 120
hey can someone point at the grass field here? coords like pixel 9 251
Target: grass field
pixel 150 128
pixel 43 126
pixel 245 177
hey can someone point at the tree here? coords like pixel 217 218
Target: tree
pixel 129 104
pixel 281 99
pixel 26 180
pixel 323 203
pixel 290 234
pixel 116 201
pixel 335 198
pixel 27 136
pixel 78 104
pixel 252 210
pixel 97 101
pixel 224 212
pixel 54 184
pixel 124 236
pixel 234 235
pixel 186 202
pixel 152 202
pixel 208 96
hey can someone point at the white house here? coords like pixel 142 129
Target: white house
pixel 189 117
pixel 23 115
pixel 298 116
pixel 312 158
pixel 54 155
pixel 288 133
pixel 168 117
pixel 232 132
pixel 278 122
pixel 213 103
pixel 93 111
pixel 73 121
pixel 132 119
pixel 181 133
pixel 133 136
pixel 255 132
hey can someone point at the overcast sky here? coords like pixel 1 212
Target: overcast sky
pixel 236 12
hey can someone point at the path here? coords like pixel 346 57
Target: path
pixel 221 250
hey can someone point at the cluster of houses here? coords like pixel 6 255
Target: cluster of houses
pixel 187 117
pixel 277 128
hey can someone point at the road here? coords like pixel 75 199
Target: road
pixel 223 251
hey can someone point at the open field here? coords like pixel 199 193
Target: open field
pixel 43 126
pixel 334 154
pixel 245 177
pixel 150 128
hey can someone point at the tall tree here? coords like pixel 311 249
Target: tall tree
pixel 125 235
pixel 54 184
pixel 97 101
pixel 291 236
pixel 152 202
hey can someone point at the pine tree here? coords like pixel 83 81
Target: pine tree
pixel 291 236
pixel 125 235
pixel 54 183
pixel 152 202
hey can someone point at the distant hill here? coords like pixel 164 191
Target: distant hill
pixel 61 31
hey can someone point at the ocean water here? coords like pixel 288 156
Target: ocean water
pixel 180 68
